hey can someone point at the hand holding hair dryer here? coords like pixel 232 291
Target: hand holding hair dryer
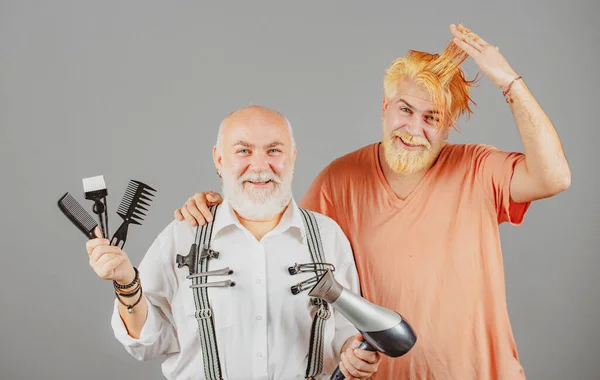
pixel 383 330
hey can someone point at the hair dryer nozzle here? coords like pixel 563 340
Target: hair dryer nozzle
pixel 327 288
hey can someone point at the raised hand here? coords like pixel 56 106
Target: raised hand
pixel 109 261
pixel 487 56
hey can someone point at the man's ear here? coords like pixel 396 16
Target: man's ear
pixel 217 159
pixel 384 105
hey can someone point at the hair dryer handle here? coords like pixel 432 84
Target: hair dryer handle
pixel 337 374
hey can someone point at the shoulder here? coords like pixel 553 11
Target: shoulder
pixel 466 155
pixel 478 153
pixel 330 231
pixel 467 151
pixel 356 159
pixel 176 229
pixel 174 237
pixel 323 221
pixel 352 163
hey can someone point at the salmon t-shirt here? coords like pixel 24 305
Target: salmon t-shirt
pixel 434 257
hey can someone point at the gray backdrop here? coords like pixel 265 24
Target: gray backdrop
pixel 136 90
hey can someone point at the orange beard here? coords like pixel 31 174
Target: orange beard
pixel 403 161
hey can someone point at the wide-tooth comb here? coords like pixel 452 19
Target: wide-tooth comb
pixel 132 209
pixel 77 215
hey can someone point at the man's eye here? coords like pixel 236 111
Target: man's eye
pixel 243 151
pixel 404 109
pixel 274 150
pixel 433 118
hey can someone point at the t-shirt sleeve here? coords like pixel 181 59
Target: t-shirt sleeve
pixel 494 169
pixel 318 197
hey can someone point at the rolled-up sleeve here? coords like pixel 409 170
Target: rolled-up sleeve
pixel 158 336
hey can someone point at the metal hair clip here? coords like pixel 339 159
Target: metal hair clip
pixel 217 272
pixel 217 284
pixel 190 259
pixel 304 285
pixel 310 267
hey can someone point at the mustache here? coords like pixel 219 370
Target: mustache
pixel 259 177
pixel 413 140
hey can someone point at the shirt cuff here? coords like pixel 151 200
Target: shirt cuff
pixel 150 330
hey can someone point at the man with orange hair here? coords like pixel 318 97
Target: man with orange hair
pixel 422 214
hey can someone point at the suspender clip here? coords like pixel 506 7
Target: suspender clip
pixel 209 253
pixel 189 260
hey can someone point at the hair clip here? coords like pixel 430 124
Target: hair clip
pixel 310 267
pixel 217 272
pixel 304 285
pixel 189 260
pixel 216 284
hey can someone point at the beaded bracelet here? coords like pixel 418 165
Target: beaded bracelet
pixel 130 295
pixel 130 285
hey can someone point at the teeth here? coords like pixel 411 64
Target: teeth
pixel 407 143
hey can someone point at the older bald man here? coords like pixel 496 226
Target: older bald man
pixel 238 319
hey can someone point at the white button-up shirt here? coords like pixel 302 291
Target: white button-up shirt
pixel 262 329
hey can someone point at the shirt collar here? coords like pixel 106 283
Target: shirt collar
pixel 291 220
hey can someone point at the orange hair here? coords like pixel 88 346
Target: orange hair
pixel 441 75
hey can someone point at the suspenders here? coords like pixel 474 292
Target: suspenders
pixel 197 262
pixel 317 333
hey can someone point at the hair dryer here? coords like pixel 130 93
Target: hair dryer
pixel 383 330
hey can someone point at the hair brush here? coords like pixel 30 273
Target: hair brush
pixel 131 210
pixel 77 215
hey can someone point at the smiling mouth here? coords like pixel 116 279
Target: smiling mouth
pixel 259 183
pixel 409 144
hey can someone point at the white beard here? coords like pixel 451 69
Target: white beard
pixel 257 204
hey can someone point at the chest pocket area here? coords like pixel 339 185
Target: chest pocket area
pixel 221 302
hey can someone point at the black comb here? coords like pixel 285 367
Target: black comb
pixel 77 215
pixel 132 209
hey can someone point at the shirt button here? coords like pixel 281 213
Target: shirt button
pixel 259 354
pixel 259 318
pixel 258 281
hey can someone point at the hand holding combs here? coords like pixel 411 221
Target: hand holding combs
pixel 131 209
pixel 134 204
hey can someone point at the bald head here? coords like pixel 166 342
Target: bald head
pixel 253 117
